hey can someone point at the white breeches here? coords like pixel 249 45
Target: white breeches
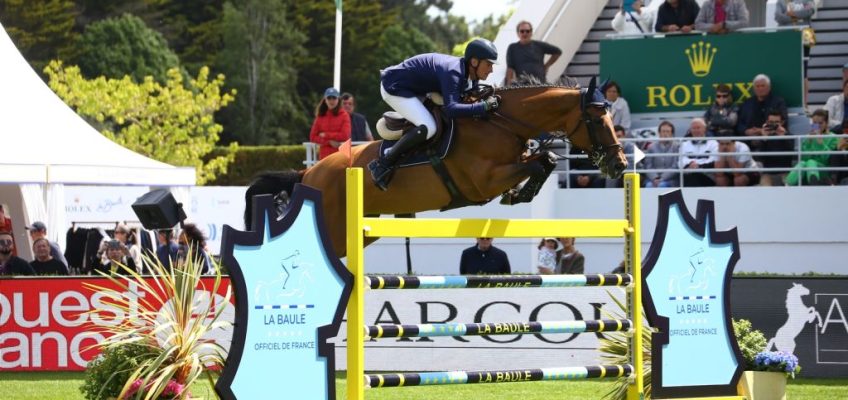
pixel 412 109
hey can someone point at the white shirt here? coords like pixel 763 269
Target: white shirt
pixel 701 151
pixel 625 22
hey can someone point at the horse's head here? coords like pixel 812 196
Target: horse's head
pixel 798 289
pixel 596 135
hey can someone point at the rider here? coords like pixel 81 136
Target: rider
pixel 415 77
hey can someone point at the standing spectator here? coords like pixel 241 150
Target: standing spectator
pixel 583 180
pixel 192 238
pixel 798 13
pixel 44 264
pixel 548 249
pixel 38 230
pixel 571 261
pixel 633 22
pixel 331 127
pixel 775 125
pixel 837 107
pixel 755 111
pixel 526 57
pixel 360 131
pixel 6 226
pixel 668 160
pixel 722 16
pixel 116 259
pixel 168 249
pixel 677 16
pixel 11 264
pixel 483 258
pixel 126 236
pixel 808 169
pixel 740 158
pixel 722 116
pixel 699 153
pixel 620 109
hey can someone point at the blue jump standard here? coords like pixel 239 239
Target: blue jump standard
pixel 496 376
pixel 490 281
pixel 496 328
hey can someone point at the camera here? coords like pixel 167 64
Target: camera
pixel 771 127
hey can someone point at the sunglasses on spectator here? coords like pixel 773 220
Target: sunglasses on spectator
pixel 331 97
pixel 722 95
pixel 485 238
pixel 6 242
pixel 525 30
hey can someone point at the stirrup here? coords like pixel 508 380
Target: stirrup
pixel 381 174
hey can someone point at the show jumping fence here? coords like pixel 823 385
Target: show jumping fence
pixel 359 227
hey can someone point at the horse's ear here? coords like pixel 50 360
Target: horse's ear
pixel 592 87
pixel 604 84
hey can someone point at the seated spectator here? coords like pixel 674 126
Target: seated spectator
pixel 483 258
pixel 677 16
pixel 116 258
pixel 840 160
pixel 38 230
pixel 775 126
pixel 722 16
pixel 699 153
pixel 360 131
pixel 668 160
pixel 722 116
pixel 6 226
pixel 192 243
pixel 628 152
pixel 837 107
pixel 548 249
pixel 571 261
pixel 44 264
pixel 620 109
pixel 636 21
pixel 808 170
pixel 739 159
pixel 798 13
pixel 582 180
pixel 755 111
pixel 10 264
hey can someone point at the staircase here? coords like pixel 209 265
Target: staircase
pixel 830 52
pixel 586 62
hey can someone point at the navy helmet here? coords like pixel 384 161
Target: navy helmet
pixel 482 49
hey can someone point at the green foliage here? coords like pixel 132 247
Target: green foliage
pixel 259 54
pixel 171 123
pixel 121 46
pixel 751 341
pixel 489 27
pixel 250 160
pixel 107 374
pixel 41 29
pixel 615 349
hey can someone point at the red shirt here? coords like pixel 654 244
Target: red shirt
pixel 720 15
pixel 334 127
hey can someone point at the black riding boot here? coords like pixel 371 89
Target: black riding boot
pixel 383 167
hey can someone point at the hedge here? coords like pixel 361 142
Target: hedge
pixel 250 160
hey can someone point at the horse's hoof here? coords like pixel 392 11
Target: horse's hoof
pixel 506 199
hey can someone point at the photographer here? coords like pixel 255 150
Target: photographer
pixel 775 126
pixel 755 110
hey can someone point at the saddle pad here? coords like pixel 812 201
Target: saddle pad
pixel 442 142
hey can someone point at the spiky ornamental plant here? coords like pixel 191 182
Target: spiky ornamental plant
pixel 615 349
pixel 172 322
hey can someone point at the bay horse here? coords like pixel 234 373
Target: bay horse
pixel 485 159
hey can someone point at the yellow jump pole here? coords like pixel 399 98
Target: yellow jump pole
pixel 356 306
pixel 633 262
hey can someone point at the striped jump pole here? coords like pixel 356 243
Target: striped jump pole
pixel 496 376
pixel 496 328
pixel 494 281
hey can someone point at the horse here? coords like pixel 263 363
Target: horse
pixel 799 316
pixel 485 159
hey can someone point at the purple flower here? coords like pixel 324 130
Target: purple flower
pixel 777 361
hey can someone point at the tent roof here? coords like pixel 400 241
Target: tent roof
pixel 42 140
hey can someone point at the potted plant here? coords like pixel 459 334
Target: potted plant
pixel 768 379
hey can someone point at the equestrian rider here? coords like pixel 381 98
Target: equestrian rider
pixel 402 85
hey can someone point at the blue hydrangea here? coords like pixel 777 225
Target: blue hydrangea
pixel 777 361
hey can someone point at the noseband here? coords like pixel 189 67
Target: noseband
pixel 593 126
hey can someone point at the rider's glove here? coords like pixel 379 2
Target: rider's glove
pixel 491 104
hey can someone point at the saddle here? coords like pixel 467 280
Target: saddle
pixel 392 125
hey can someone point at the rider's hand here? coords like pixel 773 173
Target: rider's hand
pixel 491 103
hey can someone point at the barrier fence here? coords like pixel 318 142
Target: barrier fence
pixel 359 227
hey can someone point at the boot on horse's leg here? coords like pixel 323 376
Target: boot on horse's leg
pixel 541 169
pixel 383 168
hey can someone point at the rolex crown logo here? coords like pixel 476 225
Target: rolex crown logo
pixel 701 57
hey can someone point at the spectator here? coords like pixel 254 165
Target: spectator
pixel 837 107
pixel 699 153
pixel 628 151
pixel 526 57
pixel 38 230
pixel 636 21
pixel 620 109
pixel 483 258
pixel 167 250
pixel 798 13
pixel 723 115
pixel 571 261
pixel 360 131
pixel 840 160
pixel 739 159
pixel 548 249
pixel 755 111
pixel 6 226
pixel 44 264
pixel 807 171
pixel 116 260
pixel 668 160
pixel 775 126
pixel 192 239
pixel 11 264
pixel 582 180
pixel 677 16
pixel 331 127
pixel 126 236
pixel 722 16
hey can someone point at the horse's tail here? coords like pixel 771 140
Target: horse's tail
pixel 272 183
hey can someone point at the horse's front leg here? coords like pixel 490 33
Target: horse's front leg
pixel 814 315
pixel 538 169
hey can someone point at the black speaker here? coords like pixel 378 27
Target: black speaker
pixel 158 210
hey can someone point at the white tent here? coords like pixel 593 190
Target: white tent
pixel 46 145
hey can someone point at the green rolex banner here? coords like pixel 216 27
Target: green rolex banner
pixel 679 73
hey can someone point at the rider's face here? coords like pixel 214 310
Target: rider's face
pixel 483 69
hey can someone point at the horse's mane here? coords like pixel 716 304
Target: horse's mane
pixel 531 82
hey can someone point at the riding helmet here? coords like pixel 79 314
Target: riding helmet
pixel 481 49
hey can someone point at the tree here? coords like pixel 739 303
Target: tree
pixel 41 29
pixel 170 122
pixel 122 46
pixel 260 53
pixel 489 27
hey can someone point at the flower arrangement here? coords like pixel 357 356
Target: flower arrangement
pixel 777 361
pixel 172 390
